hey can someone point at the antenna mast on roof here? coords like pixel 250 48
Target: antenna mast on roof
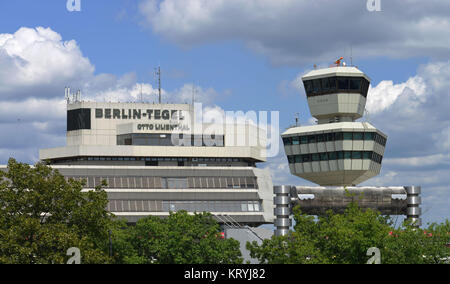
pixel 351 55
pixel 67 94
pixel 193 93
pixel 158 74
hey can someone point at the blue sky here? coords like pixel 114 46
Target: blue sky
pixel 241 55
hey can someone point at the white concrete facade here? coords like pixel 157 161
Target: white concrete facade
pixel 190 166
pixel 240 140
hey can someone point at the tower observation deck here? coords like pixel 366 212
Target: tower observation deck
pixel 338 151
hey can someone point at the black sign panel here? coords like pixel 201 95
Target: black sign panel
pixel 79 119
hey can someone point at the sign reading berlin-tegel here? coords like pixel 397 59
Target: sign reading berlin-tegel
pixel 156 114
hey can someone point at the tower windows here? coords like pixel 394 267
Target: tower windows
pixel 336 136
pixel 324 86
pixel 339 155
pixel 348 135
pixel 342 83
pixel 355 84
pixel 316 87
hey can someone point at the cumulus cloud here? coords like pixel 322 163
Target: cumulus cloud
pixel 292 31
pixel 36 61
pixel 386 93
pixel 414 115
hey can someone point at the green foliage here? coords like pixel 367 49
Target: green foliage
pixel 410 245
pixel 42 215
pixel 180 238
pixel 345 238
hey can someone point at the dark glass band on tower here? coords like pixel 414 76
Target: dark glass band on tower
pixel 331 85
pixel 336 136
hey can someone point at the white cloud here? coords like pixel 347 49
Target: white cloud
pixel 386 93
pixel 32 109
pixel 36 60
pixel 293 31
pixel 423 161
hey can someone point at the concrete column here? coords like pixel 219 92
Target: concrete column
pixel 282 209
pixel 413 210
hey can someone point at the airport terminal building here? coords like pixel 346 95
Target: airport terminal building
pixel 158 158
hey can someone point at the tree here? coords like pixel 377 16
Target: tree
pixel 345 238
pixel 180 238
pixel 419 246
pixel 42 215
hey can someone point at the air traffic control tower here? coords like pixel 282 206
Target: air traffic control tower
pixel 338 153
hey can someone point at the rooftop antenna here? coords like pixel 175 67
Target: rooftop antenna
pixel 296 119
pixel 193 93
pixel 345 51
pixel 158 74
pixel 351 55
pixel 66 94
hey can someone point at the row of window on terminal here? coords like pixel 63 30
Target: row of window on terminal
pixel 335 136
pixel 140 182
pixel 152 139
pixel 190 206
pixel 335 84
pixel 150 159
pixel 338 155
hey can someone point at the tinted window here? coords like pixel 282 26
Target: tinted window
pixel 347 155
pixel 355 84
pixel 348 136
pixel 367 155
pixel 332 82
pixel 325 84
pixel 323 157
pixel 315 157
pixel 295 141
pixel 332 156
pixel 342 83
pixel 304 140
pixel 365 87
pixel 320 138
pixel 368 136
pixel 287 141
pixel 358 136
pixel 306 158
pixel 308 86
pixel 312 139
pixel 316 86
pixel 340 155
pixel 338 136
pixel 356 155
pixel 79 119
pixel 329 137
